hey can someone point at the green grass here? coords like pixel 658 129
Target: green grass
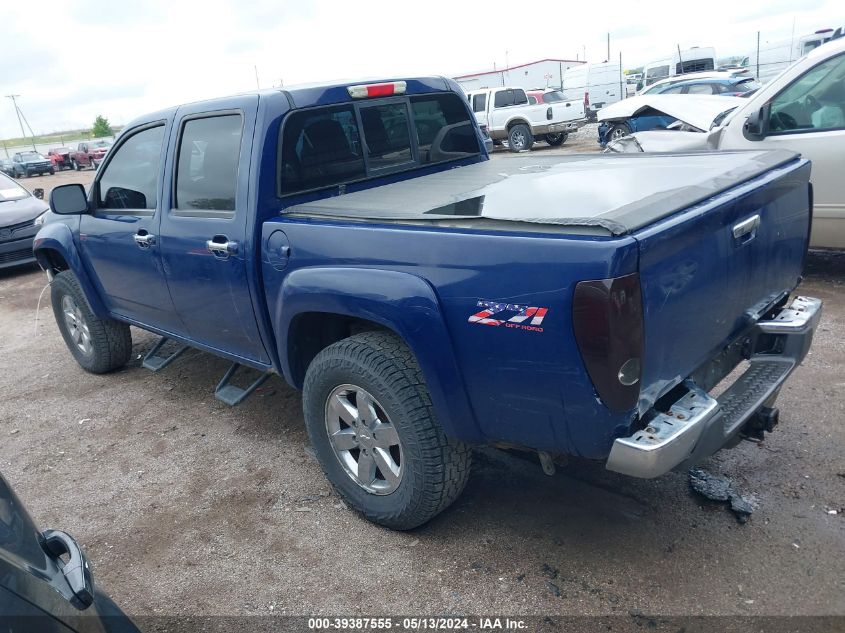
pixel 53 137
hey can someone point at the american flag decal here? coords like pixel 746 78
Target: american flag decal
pixel 518 315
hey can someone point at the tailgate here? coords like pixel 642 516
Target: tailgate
pixel 568 111
pixel 708 272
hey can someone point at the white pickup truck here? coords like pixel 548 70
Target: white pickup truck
pixel 508 116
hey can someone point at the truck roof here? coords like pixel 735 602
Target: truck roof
pixel 609 194
pixel 320 93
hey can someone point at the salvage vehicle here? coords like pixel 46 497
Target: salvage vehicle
pixel 21 215
pixel 60 157
pixel 508 116
pixel 661 111
pixel 425 298
pixel 803 110
pixel 30 164
pixel 46 584
pixel 89 154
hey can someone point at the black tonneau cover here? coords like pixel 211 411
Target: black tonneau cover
pixel 614 193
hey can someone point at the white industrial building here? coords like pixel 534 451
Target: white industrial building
pixel 545 73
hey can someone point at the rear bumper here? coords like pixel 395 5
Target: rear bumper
pixel 697 424
pixel 556 128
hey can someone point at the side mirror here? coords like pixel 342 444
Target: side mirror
pixel 69 200
pixel 38 193
pixel 757 124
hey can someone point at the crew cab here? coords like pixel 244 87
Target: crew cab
pixel 509 116
pixel 89 154
pixel 357 240
pixel 30 164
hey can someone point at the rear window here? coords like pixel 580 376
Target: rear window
pixel 552 96
pixel 479 102
pixel 330 146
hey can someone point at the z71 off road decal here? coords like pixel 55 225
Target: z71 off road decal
pixel 517 320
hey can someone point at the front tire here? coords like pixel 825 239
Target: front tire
pixel 520 138
pixel 617 131
pixel 370 419
pixel 98 345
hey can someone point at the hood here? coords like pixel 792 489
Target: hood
pixel 699 111
pixel 16 211
pixel 35 161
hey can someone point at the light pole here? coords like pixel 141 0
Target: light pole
pixel 18 113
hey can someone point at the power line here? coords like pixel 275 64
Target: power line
pixel 19 114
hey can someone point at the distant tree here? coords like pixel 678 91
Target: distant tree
pixel 101 127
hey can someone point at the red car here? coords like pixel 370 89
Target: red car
pixel 60 157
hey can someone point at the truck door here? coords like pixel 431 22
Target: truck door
pixel 118 240
pixel 207 243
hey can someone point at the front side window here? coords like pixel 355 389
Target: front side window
pixel 129 179
pixel 207 170
pixel 816 101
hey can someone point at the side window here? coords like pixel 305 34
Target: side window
pixel 207 169
pixel 673 90
pixel 815 101
pixel 320 148
pixel 532 100
pixel 479 102
pixel 700 89
pixel 444 130
pixel 504 98
pixel 386 134
pixel 129 179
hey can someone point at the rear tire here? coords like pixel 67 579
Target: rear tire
pixel 520 138
pixel 375 375
pixel 556 139
pixel 98 345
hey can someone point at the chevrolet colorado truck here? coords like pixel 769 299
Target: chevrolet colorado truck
pixel 508 115
pixel 357 240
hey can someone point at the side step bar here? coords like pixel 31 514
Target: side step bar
pixel 154 362
pixel 233 395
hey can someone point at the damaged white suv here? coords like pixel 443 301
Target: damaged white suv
pixel 802 110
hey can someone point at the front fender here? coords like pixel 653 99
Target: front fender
pixel 401 302
pixel 58 237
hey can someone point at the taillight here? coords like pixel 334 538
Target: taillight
pixel 586 99
pixel 365 91
pixel 607 316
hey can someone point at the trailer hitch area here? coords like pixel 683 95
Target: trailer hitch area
pixel 765 420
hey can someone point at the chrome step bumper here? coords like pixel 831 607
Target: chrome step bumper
pixel 697 425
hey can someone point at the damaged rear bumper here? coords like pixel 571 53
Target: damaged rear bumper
pixel 697 425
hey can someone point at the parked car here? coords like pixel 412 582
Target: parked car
pixel 728 84
pixel 89 154
pixel 508 116
pixel 31 164
pixel 426 299
pixel 7 167
pixel 60 157
pixel 21 214
pixel 803 110
pixel 657 112
pixel 46 584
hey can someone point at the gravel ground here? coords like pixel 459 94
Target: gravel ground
pixel 187 506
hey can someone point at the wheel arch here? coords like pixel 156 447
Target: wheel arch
pixel 517 121
pixel 320 306
pixel 55 252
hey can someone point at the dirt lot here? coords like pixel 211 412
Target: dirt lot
pixel 187 506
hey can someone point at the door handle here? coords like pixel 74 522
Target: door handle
pixel 75 570
pixel 144 239
pixel 746 230
pixel 221 246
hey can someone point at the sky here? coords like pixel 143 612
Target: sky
pixel 73 60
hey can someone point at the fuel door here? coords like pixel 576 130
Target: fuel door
pixel 278 250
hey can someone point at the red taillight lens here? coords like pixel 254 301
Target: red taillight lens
pixel 368 91
pixel 607 316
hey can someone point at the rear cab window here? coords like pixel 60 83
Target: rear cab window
pixel 330 146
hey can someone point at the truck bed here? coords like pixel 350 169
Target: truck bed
pixel 605 194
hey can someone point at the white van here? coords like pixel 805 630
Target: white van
pixel 598 85
pixel 691 60
pixel 777 55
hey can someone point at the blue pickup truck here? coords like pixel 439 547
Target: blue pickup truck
pixel 357 240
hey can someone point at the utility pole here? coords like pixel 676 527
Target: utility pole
pixel 758 55
pixel 608 47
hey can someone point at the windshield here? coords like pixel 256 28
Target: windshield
pixel 552 96
pixel 32 156
pixel 100 144
pixel 10 190
pixel 747 86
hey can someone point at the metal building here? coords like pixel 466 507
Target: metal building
pixel 544 73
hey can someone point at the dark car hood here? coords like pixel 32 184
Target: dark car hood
pixel 16 211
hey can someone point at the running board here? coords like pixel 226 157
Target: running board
pixel 154 362
pixel 233 395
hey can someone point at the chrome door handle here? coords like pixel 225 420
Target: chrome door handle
pixel 144 240
pixel 222 249
pixel 747 229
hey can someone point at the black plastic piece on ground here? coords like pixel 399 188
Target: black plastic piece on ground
pixel 233 395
